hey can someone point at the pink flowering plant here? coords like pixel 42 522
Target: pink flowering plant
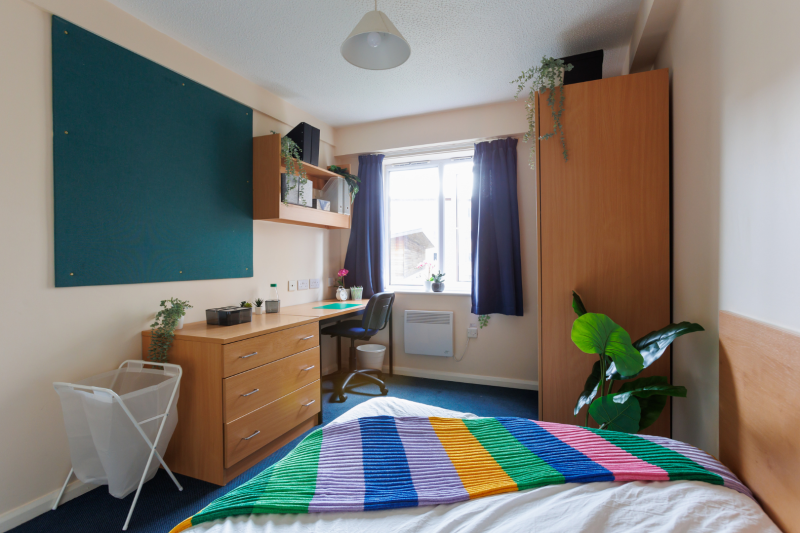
pixel 427 266
pixel 340 276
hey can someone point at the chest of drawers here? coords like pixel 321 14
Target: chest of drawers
pixel 247 390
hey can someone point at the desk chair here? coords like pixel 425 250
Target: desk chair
pixel 376 316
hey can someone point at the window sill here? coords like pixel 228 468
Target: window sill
pixel 411 290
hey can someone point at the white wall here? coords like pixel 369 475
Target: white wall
pixel 736 177
pixel 67 334
pixel 505 353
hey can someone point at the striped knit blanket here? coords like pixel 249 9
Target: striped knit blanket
pixel 384 462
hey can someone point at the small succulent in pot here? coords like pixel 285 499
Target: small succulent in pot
pixel 438 282
pixel 259 310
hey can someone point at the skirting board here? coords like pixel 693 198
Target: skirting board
pixel 11 519
pixel 465 378
pixel 454 376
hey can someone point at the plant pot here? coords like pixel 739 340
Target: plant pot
pixel 258 310
pixel 428 285
pixel 437 287
pixel 179 325
pixel 341 294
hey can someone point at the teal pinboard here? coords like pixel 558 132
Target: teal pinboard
pixel 151 171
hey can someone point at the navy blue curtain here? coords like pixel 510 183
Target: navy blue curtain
pixel 365 251
pixel 496 261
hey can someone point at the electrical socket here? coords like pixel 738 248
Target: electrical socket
pixel 314 283
pixel 472 333
pixel 292 285
pixel 302 284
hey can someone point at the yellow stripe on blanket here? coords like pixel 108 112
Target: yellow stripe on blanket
pixel 478 471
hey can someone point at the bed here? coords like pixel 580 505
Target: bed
pixel 759 394
pixel 601 506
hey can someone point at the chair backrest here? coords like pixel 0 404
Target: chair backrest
pixel 378 310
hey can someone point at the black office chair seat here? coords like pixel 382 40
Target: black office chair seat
pixel 351 329
pixel 376 316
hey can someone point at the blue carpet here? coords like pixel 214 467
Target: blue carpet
pixel 161 506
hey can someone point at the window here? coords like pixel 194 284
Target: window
pixel 429 213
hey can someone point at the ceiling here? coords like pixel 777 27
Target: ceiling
pixel 463 52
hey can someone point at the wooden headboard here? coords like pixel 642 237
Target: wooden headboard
pixel 759 413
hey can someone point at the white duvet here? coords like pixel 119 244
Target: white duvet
pixel 690 506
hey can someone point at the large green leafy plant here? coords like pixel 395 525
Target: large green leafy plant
pixel 548 76
pixel 163 328
pixel 636 404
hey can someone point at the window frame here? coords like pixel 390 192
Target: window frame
pixel 422 161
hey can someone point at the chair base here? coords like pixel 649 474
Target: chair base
pixel 340 388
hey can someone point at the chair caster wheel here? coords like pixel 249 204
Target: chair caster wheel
pixel 384 392
pixel 342 398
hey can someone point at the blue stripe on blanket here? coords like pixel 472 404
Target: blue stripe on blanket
pixel 388 483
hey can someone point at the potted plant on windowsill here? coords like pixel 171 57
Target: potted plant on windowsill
pixel 438 282
pixel 428 279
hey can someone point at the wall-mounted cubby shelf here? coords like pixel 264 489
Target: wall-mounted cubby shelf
pixel 267 205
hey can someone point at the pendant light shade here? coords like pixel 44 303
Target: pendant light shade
pixel 375 44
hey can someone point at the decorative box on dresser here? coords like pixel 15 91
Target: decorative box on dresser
pixel 247 390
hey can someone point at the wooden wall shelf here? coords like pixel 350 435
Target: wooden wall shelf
pixel 267 205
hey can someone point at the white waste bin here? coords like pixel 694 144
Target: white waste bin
pixel 119 424
pixel 370 356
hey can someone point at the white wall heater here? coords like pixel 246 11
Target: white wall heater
pixel 429 333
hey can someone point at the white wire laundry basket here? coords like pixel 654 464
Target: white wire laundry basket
pixel 117 422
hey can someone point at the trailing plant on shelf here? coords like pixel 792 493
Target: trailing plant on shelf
pixel 163 328
pixel 636 404
pixel 548 76
pixel 352 180
pixel 295 172
pixel 483 320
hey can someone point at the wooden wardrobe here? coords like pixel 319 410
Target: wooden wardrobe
pixel 604 227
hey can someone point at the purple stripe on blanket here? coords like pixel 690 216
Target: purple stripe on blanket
pixel 703 459
pixel 340 478
pixel 432 472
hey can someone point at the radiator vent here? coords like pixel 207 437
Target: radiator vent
pixel 428 333
pixel 429 317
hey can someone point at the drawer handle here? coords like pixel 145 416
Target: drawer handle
pixel 251 436
pixel 309 403
pixel 248 355
pixel 306 338
pixel 250 393
pixel 306 369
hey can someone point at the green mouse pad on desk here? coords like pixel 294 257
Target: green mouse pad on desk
pixel 338 306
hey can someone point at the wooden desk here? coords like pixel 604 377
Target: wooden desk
pixel 327 316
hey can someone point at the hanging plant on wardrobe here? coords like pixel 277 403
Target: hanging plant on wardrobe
pixel 290 154
pixel 352 180
pixel 549 76
pixel 162 330
pixel 636 404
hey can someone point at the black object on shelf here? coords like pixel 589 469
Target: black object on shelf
pixel 586 67
pixel 306 137
pixel 228 316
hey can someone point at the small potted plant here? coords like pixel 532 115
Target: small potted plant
pixel 341 292
pixel 428 279
pixel 163 328
pixel 259 306
pixel 438 282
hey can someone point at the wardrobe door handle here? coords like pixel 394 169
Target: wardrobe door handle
pixel 250 393
pixel 306 338
pixel 306 369
pixel 248 355
pixel 251 436
pixel 309 403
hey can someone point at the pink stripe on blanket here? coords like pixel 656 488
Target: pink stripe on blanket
pixel 624 466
